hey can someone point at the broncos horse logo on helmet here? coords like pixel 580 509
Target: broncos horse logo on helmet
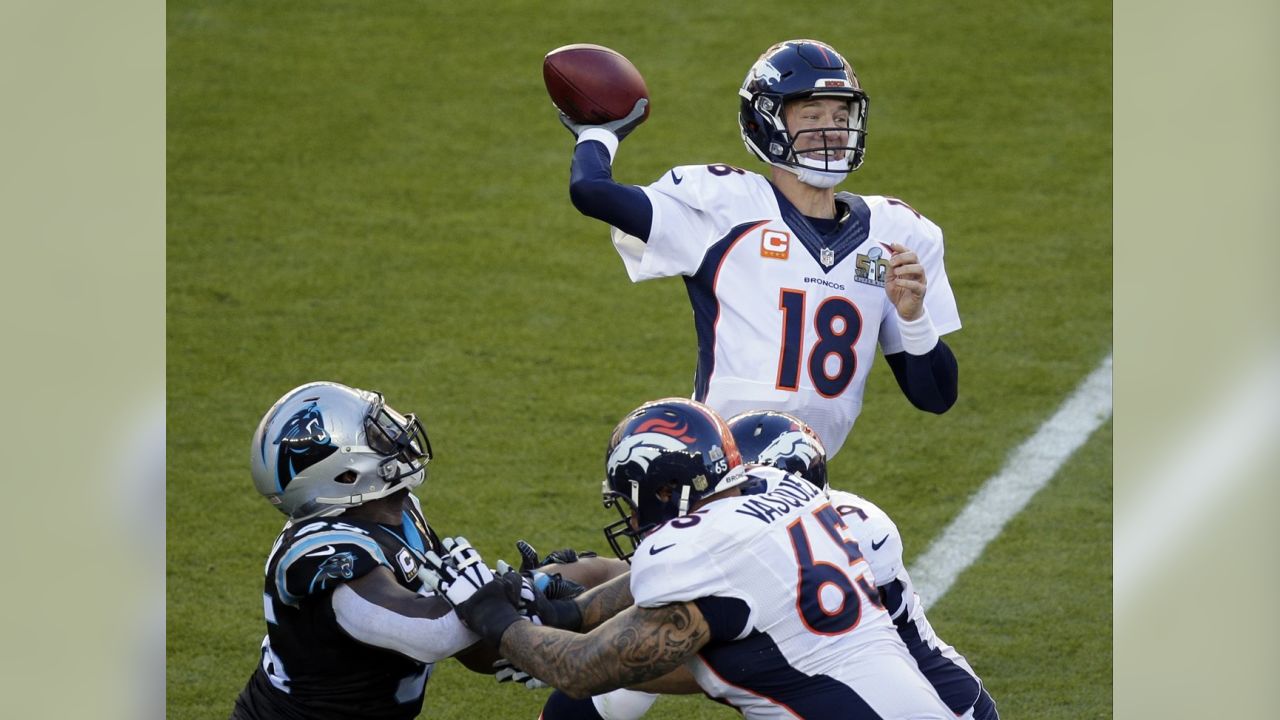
pixel 641 449
pixel 663 458
pixel 784 441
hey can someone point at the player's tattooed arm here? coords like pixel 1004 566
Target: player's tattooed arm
pixel 604 601
pixel 638 645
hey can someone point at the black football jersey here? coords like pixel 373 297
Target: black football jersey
pixel 310 667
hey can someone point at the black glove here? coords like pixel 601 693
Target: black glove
pixel 553 585
pixel 557 587
pixel 541 607
pixel 490 610
pixel 621 127
pixel 564 556
pixel 563 614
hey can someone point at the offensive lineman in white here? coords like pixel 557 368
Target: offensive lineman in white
pixel 744 577
pixel 792 284
pixel 785 442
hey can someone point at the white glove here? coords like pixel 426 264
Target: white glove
pixel 459 575
pixel 510 673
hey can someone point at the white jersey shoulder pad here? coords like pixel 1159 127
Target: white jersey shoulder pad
pixel 694 206
pixel 903 220
pixel 877 535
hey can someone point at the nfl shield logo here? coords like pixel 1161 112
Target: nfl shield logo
pixel 828 257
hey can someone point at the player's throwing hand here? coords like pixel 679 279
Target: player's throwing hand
pixel 621 127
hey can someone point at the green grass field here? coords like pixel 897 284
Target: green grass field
pixel 375 193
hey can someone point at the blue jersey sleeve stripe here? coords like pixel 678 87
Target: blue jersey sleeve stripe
pixel 411 535
pixel 311 543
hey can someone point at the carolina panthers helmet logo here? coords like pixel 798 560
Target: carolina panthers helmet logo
pixel 642 449
pixel 303 442
pixel 788 445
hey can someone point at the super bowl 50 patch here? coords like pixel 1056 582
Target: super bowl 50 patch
pixel 871 267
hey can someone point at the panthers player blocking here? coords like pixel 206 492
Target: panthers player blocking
pixel 793 285
pixel 743 577
pixel 351 629
pixel 785 442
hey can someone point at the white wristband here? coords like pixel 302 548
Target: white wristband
pixel 919 336
pixel 601 135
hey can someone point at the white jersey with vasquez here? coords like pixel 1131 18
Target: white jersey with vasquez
pixel 787 318
pixel 798 628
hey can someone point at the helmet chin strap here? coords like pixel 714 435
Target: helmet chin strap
pixel 819 177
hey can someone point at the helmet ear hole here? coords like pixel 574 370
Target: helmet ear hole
pixel 347 478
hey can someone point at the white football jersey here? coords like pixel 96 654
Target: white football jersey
pixel 946 670
pixel 787 318
pixel 816 642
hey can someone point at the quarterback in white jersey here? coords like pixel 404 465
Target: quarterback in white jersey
pixel 745 577
pixel 793 286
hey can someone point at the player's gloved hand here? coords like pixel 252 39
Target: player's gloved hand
pixel 526 593
pixel 484 603
pixel 553 585
pixel 621 127
pixel 506 672
pixel 543 609
pixel 529 559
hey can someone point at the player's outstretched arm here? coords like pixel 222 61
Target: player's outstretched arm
pixel 604 601
pixel 592 188
pixel 596 194
pixel 636 646
pixel 376 610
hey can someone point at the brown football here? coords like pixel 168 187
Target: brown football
pixel 592 84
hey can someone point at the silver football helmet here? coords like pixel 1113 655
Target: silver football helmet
pixel 326 447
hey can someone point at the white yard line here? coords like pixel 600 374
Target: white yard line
pixel 1029 468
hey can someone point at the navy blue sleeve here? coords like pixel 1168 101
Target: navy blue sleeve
pixel 595 194
pixel 930 381
pixel 726 616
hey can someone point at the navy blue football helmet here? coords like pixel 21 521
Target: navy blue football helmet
pixel 784 441
pixel 663 458
pixel 793 70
